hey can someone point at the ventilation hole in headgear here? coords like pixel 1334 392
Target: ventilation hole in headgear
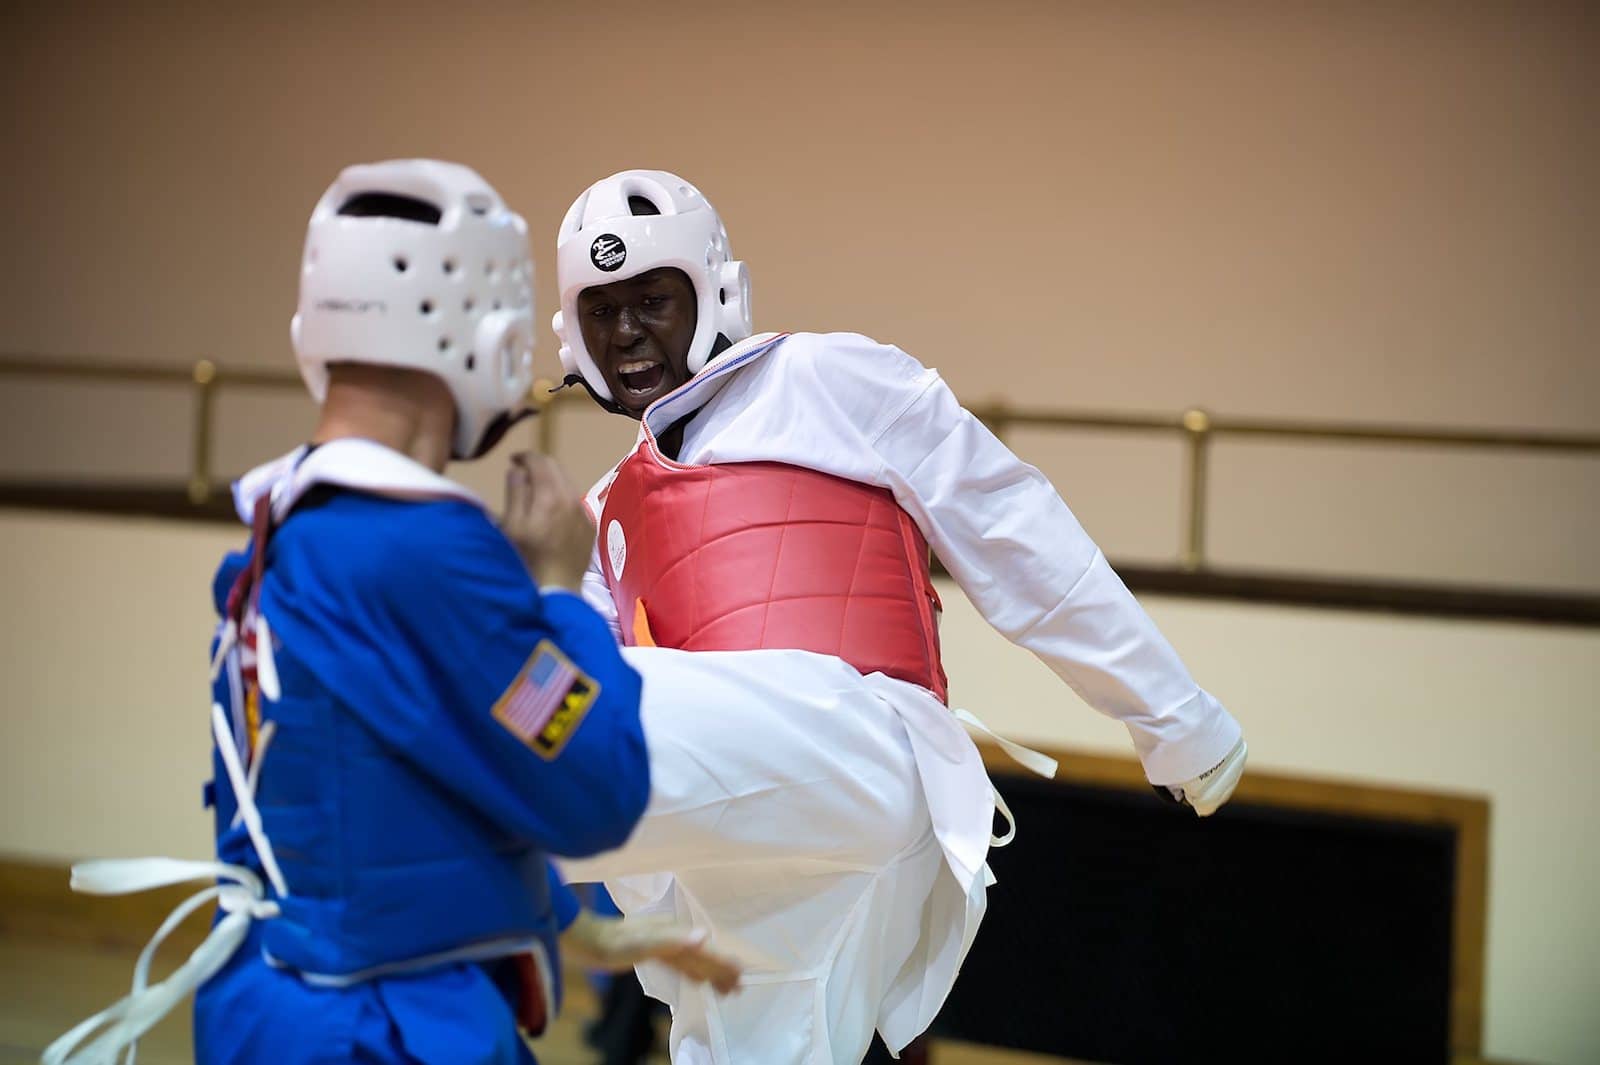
pixel 722 295
pixel 640 205
pixel 478 203
pixel 467 304
pixel 444 343
pixel 449 266
pixel 400 263
pixel 426 307
pixel 472 362
pixel 495 305
pixel 391 205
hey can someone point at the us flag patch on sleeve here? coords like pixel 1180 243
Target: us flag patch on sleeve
pixel 547 702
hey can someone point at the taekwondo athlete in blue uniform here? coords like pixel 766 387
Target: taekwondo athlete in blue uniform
pixel 406 724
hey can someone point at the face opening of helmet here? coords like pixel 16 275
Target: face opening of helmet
pixel 391 205
pixel 639 331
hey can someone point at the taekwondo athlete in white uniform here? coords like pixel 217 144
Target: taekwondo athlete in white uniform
pixel 763 553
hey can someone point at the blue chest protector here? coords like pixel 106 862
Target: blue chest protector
pixel 426 754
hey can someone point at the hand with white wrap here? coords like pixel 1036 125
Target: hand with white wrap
pixel 618 943
pixel 1207 792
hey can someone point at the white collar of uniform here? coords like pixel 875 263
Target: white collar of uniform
pixel 709 381
pixel 349 462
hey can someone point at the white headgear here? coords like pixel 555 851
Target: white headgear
pixel 603 239
pixel 418 264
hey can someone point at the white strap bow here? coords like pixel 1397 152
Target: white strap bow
pixel 241 896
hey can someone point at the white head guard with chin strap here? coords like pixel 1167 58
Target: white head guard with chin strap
pixel 608 235
pixel 418 264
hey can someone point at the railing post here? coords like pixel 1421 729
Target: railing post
pixel 995 416
pixel 1197 438
pixel 205 379
pixel 544 429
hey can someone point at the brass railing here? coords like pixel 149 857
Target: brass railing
pixel 205 377
pixel 1196 428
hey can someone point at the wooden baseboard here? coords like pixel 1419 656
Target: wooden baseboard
pixel 37 902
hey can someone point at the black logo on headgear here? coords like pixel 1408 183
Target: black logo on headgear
pixel 608 253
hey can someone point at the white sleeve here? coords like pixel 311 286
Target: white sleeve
pixel 1022 558
pixel 598 594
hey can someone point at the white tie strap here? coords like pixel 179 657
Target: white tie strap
pixel 266 661
pixel 244 795
pixel 1026 757
pixel 241 897
pixel 225 642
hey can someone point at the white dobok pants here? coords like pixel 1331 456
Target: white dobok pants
pixel 828 828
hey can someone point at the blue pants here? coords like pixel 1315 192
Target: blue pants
pixel 253 1014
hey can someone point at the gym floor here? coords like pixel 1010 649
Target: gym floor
pixel 47 985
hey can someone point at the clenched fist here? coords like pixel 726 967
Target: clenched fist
pixel 1208 791
pixel 544 518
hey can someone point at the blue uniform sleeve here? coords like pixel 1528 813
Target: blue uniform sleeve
pixel 518 702
pixel 562 899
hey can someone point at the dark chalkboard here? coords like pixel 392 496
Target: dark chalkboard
pixel 1128 931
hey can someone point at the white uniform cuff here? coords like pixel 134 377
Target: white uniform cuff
pixel 1208 733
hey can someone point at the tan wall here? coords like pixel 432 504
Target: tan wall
pixel 1367 211
pixel 1345 211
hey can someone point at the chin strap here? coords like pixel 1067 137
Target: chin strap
pixel 718 346
pixel 496 432
pixel 610 405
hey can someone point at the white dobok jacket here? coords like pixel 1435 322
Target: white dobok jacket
pixel 846 405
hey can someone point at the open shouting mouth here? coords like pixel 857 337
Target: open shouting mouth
pixel 640 377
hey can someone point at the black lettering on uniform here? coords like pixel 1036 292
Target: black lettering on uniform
pixel 565 721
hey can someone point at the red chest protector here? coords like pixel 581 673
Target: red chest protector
pixel 750 555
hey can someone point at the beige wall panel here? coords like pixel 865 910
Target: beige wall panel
pixel 1125 488
pixel 1351 210
pixel 1407 514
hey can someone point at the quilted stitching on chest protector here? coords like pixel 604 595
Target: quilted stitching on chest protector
pixel 753 555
